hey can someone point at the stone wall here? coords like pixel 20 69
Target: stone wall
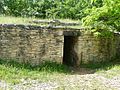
pixel 30 44
pixel 91 49
pixel 35 44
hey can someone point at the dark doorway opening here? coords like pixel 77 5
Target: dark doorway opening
pixel 70 56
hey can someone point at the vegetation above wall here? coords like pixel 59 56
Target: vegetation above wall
pixel 35 22
pixel 73 9
pixel 102 15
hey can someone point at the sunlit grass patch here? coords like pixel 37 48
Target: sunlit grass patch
pixel 14 72
pixel 110 72
pixel 14 20
pixel 30 21
pixel 107 69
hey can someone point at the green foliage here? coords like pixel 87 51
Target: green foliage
pixel 102 15
pixel 105 18
pixel 73 9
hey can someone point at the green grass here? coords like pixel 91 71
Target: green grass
pixel 110 72
pixel 14 72
pixel 25 20
pixel 28 21
pixel 16 20
pixel 107 69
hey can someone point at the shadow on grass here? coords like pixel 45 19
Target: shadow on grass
pixel 51 67
pixel 45 67
pixel 101 65
pixel 91 68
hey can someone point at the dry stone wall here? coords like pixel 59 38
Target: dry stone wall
pixel 97 49
pixel 35 44
pixel 30 44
